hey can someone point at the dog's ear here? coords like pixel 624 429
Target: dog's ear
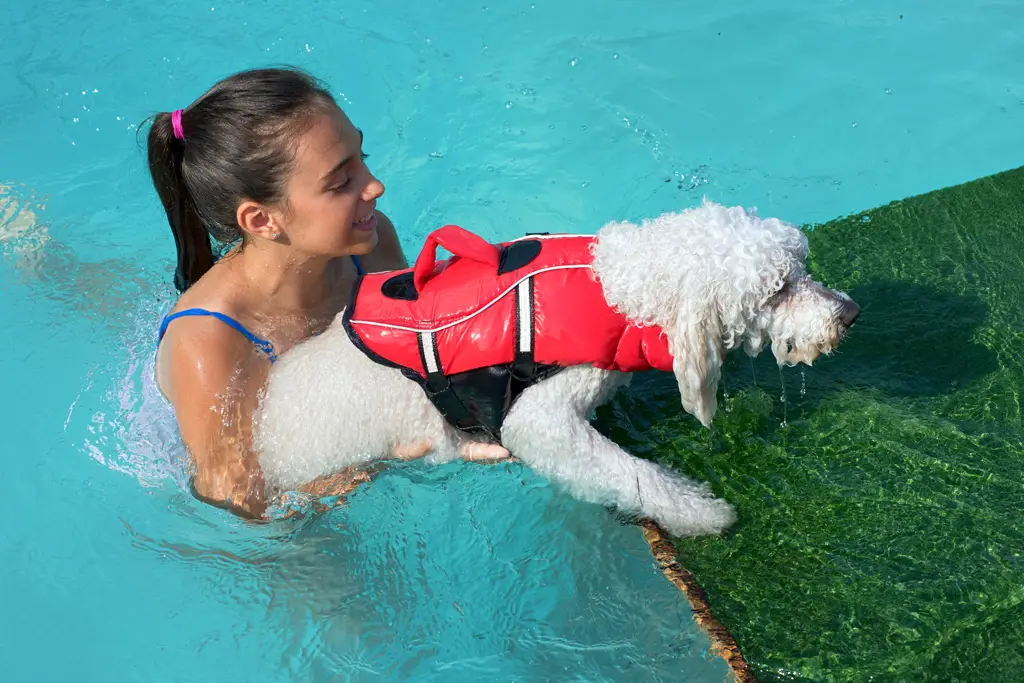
pixel 696 345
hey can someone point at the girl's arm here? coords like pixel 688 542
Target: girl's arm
pixel 213 383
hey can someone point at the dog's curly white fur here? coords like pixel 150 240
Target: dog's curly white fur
pixel 714 278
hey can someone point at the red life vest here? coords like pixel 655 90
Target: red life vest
pixel 478 328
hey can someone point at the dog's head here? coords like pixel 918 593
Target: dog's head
pixel 718 278
pixel 805 319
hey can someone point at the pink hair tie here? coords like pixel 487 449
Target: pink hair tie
pixel 179 132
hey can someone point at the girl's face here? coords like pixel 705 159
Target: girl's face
pixel 331 193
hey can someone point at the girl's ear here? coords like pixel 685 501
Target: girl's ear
pixel 257 220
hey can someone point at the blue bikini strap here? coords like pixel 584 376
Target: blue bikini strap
pixel 262 344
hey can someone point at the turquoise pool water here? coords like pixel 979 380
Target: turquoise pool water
pixel 501 118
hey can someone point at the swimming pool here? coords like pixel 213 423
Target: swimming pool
pixel 500 118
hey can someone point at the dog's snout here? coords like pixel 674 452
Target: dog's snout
pixel 851 311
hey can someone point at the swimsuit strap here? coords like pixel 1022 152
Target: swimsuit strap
pixel 262 344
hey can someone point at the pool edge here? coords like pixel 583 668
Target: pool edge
pixel 722 642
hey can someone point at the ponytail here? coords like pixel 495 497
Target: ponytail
pixel 195 252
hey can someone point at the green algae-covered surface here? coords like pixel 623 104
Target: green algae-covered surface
pixel 880 493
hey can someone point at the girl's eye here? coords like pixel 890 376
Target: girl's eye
pixel 340 188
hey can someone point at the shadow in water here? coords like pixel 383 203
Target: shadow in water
pixel 911 341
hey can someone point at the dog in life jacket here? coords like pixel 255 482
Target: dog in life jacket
pixel 521 340
pixel 477 329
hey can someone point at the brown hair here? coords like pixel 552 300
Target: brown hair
pixel 239 143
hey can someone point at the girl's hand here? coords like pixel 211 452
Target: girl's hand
pixel 412 451
pixel 474 451
pixel 471 451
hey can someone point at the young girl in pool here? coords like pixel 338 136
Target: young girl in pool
pixel 268 161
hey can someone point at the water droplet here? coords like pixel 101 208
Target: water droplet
pixel 888 91
pixel 573 61
pixel 74 120
pixel 416 86
pixel 83 92
pixel 551 126
pixel 95 90
pixel 615 56
pixel 508 105
pixel 308 48
pixel 585 184
pixel 853 125
pixel 437 155
pixel 528 91
pixel 583 127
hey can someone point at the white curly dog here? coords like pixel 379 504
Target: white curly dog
pixel 714 278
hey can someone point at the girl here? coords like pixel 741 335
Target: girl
pixel 267 161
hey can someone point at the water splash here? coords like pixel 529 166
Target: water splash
pixel 782 397
pixel 131 426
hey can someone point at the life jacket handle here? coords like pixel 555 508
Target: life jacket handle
pixel 461 243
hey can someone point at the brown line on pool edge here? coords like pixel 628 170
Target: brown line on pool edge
pixel 722 642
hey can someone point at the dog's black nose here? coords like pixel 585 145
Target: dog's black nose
pixel 851 311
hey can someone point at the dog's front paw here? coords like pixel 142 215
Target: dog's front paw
pixel 697 517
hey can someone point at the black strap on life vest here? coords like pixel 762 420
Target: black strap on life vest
pixel 450 394
pixel 523 366
pixel 439 388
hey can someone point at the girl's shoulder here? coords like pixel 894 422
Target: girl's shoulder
pixel 208 328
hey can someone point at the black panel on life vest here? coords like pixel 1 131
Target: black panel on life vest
pixel 486 395
pixel 518 254
pixel 400 286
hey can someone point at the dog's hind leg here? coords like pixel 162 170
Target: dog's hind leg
pixel 548 429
